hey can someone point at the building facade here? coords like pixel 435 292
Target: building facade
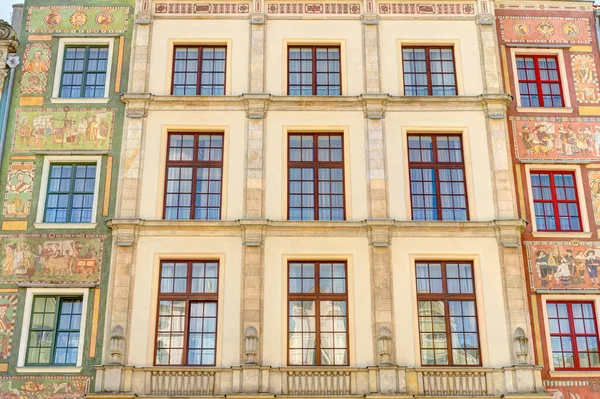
pixel 316 199
pixel 549 56
pixel 59 175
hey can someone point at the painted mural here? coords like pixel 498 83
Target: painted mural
pixel 521 29
pixel 51 387
pixel 17 196
pixel 36 64
pixel 63 129
pixel 8 313
pixel 556 138
pixel 48 258
pixel 594 179
pixel 564 265
pixel 585 78
pixel 77 19
pixel 574 389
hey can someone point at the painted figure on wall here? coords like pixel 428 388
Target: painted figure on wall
pixel 55 387
pixel 565 265
pixel 63 129
pixel 585 78
pixel 553 138
pixel 57 259
pixel 594 179
pixel 578 389
pixel 77 19
pixel 17 197
pixel 8 309
pixel 36 64
pixel 527 29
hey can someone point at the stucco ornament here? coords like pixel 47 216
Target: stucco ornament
pixel 117 345
pixel 521 345
pixel 251 341
pixel 6 31
pixel 384 346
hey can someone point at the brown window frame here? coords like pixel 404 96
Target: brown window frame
pixel 314 67
pixel 316 164
pixel 317 297
pixel 447 297
pixel 194 164
pixel 436 166
pixel 429 71
pixel 199 71
pixel 188 297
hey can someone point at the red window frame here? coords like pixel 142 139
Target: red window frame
pixel 572 333
pixel 199 71
pixel 317 296
pixel 189 297
pixel 539 82
pixel 314 72
pixel 429 70
pixel 554 201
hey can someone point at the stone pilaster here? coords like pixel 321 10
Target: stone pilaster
pixel 257 51
pixel 371 55
pixel 374 108
pixel 256 111
pixel 382 308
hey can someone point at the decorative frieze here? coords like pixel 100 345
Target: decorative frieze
pixel 526 29
pixel 426 9
pixel 77 19
pixel 314 8
pixel 201 8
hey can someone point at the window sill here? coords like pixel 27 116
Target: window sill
pixel 566 234
pixel 49 369
pixel 575 373
pixel 551 110
pixel 64 225
pixel 58 100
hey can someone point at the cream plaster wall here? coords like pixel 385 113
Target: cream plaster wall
pixel 165 33
pixel 159 123
pixel 462 34
pixel 278 251
pixel 348 34
pixel 352 124
pixel 144 302
pixel 483 252
pixel 475 149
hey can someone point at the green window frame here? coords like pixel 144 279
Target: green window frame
pixel 54 331
pixel 70 193
pixel 84 72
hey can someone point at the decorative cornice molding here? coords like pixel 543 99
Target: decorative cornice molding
pixel 374 105
pixel 125 231
pixel 485 19
pixel 257 19
pixel 253 231
pixel 508 232
pixel 136 104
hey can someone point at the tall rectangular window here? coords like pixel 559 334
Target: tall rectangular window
pixel 199 71
pixel 437 177
pixel 429 71
pixel 54 331
pixel 318 314
pixel 539 81
pixel 84 72
pixel 316 177
pixel 447 314
pixel 555 201
pixel 314 71
pixel 573 335
pixel 187 313
pixel 194 176
pixel 70 196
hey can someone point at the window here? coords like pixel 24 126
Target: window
pixel 437 177
pixel 555 201
pixel 447 314
pixel 84 72
pixel 199 71
pixel 318 318
pixel 428 71
pixel 194 175
pixel 187 313
pixel 316 177
pixel 70 196
pixel 314 71
pixel 54 331
pixel 539 81
pixel 573 335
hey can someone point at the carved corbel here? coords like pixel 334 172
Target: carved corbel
pixel 253 232
pixel 125 231
pixel 370 19
pixel 256 105
pixel 380 233
pixel 486 19
pixel 374 105
pixel 496 105
pixel 136 105
pixel 508 232
pixel 257 19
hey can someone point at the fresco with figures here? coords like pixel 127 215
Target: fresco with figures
pixel 36 65
pixel 49 258
pixel 555 138
pixel 585 78
pixel 594 179
pixel 564 265
pixel 77 19
pixel 51 387
pixel 574 389
pixel 525 29
pixel 17 196
pixel 8 312
pixel 63 129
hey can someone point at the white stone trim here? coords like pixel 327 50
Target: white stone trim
pixel 85 41
pixel 50 159
pixel 31 292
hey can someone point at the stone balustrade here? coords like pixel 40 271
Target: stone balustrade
pixel 463 382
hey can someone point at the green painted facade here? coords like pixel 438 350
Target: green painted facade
pixel 40 127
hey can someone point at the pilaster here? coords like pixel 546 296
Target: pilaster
pixel 256 112
pixel 257 49
pixel 371 55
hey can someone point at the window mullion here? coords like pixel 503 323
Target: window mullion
pixel 57 311
pixel 317 315
pixel 199 76
pixel 573 335
pixel 555 202
pixel 428 71
pixel 85 72
pixel 538 78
